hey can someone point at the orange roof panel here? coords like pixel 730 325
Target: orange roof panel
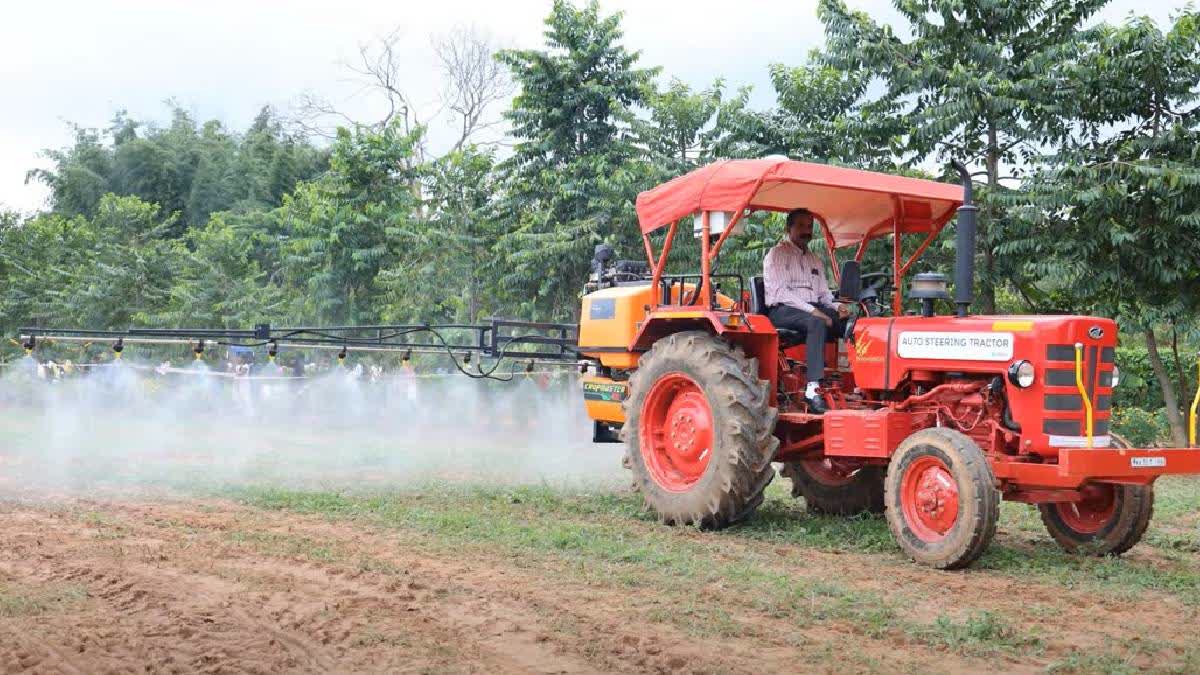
pixel 853 204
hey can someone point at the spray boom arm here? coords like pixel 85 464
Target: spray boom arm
pixel 553 343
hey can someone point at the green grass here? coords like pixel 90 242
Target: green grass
pixel 713 581
pixel 608 539
pixel 24 602
pixel 981 633
pixel 615 527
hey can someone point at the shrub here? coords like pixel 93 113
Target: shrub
pixel 1141 427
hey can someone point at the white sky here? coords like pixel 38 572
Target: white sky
pixel 82 61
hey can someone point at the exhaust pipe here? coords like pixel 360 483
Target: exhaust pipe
pixel 964 245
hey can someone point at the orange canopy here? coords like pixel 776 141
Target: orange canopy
pixel 853 204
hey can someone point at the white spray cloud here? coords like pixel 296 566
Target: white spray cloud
pixel 124 427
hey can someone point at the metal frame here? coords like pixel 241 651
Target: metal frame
pixel 499 338
pixel 710 250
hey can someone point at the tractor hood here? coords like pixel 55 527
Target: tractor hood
pixel 887 351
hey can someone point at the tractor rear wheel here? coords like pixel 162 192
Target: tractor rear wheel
pixel 829 487
pixel 942 503
pixel 698 431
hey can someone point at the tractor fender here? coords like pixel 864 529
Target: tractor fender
pixel 754 333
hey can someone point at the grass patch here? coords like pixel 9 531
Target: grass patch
pixel 605 539
pixel 716 584
pixel 23 602
pixel 614 528
pixel 981 633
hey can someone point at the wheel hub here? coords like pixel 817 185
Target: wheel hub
pixel 1093 511
pixel 676 432
pixel 930 498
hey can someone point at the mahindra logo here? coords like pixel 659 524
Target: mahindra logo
pixel 1095 332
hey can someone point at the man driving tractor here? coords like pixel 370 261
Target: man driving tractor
pixel 798 298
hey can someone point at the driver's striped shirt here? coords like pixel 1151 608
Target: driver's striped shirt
pixel 795 277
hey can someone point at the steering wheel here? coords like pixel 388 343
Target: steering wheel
pixel 874 284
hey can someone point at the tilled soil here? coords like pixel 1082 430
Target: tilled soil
pixel 217 587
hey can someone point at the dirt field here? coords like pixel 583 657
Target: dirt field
pixel 457 579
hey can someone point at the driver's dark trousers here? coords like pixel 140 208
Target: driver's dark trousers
pixel 814 330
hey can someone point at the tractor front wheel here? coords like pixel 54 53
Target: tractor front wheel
pixel 699 431
pixel 835 488
pixel 942 504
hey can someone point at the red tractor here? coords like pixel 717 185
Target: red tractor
pixel 932 418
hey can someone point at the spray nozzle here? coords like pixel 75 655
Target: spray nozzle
pixel 118 347
pixel 341 357
pixel 583 368
pixel 272 350
pixel 198 349
pixel 30 343
pixel 529 366
pixel 406 356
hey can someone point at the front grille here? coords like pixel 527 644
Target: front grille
pixel 1073 427
pixel 1062 405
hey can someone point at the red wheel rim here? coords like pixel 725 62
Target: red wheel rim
pixel 929 498
pixel 826 472
pixel 1090 514
pixel 676 432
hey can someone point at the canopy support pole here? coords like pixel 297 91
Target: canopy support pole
pixel 897 253
pixel 656 280
pixel 705 289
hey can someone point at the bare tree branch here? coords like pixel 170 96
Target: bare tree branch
pixel 473 83
pixel 474 79
pixel 379 68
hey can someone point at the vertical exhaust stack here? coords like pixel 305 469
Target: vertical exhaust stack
pixel 964 247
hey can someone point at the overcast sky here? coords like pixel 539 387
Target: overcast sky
pixel 82 61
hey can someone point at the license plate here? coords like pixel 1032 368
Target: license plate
pixel 1144 462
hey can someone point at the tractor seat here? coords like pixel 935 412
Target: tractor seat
pixel 758 305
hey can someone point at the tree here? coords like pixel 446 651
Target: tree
pixel 575 167
pixel 219 283
pixel 822 114
pixel 1115 215
pixel 80 176
pixel 126 276
pixel 681 126
pixel 976 82
pixel 446 266
pixel 342 228
pixel 194 171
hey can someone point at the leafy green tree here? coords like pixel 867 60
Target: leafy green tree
pixel 822 114
pixel 682 122
pixel 214 184
pixel 80 176
pixel 342 229
pixel 219 283
pixel 186 169
pixel 1114 217
pixel 127 275
pixel 446 267
pixel 976 82
pixel 575 168
pixel 39 258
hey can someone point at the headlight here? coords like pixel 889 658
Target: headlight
pixel 1116 375
pixel 1021 374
